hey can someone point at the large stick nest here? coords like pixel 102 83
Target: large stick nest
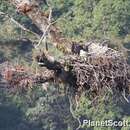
pixel 100 70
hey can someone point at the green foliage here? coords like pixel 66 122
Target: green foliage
pixel 8 31
pixel 93 18
pixel 87 19
pixel 51 111
pixel 79 20
pixel 104 110
pixel 111 17
pixel 6 7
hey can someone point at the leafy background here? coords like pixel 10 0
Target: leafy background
pixel 79 20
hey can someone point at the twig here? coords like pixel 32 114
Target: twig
pixel 123 94
pixel 71 110
pixel 43 38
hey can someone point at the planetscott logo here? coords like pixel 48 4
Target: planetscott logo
pixel 106 123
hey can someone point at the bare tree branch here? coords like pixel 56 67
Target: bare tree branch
pixel 45 33
pixel 18 24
